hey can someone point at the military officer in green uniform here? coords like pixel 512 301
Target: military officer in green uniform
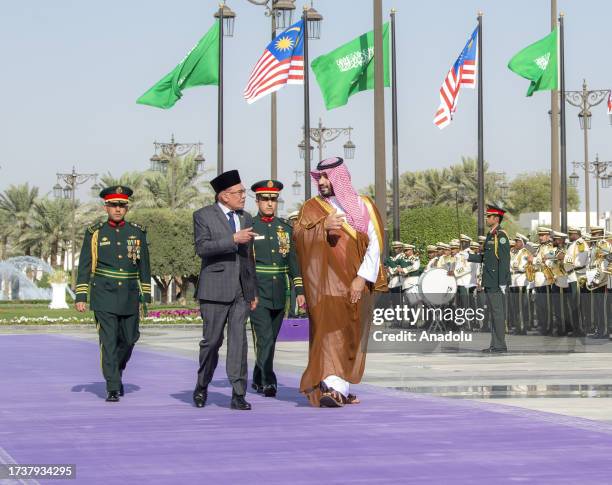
pixel 495 261
pixel 114 273
pixel 276 266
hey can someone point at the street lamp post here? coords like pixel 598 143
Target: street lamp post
pixel 166 152
pixel 72 181
pixel 599 169
pixel 585 100
pixel 321 135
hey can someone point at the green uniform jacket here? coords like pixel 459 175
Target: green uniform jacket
pixel 395 261
pixel 114 268
pixel 495 259
pixel 275 262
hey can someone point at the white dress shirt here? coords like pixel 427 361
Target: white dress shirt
pixel 226 210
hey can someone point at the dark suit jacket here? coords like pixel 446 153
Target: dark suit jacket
pixel 225 265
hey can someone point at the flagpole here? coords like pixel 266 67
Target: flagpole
pixel 380 182
pixel 273 118
pixel 396 212
pixel 554 139
pixel 563 133
pixel 481 201
pixel 307 190
pixel 220 97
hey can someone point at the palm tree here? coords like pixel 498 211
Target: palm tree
pixel 179 187
pixel 49 231
pixel 430 186
pixel 16 202
pixel 5 228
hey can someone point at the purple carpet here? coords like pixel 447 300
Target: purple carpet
pixel 52 411
pixel 293 329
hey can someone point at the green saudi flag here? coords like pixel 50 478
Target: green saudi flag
pixel 199 67
pixel 349 69
pixel 538 63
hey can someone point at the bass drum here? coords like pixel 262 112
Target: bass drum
pixel 436 288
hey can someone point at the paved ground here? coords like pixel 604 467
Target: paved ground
pixel 413 432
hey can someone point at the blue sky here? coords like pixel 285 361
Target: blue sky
pixel 73 70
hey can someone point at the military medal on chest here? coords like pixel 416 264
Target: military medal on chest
pixel 133 249
pixel 284 244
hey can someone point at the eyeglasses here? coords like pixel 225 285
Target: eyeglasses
pixel 116 204
pixel 239 192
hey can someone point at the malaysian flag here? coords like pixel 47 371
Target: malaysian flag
pixel 463 73
pixel 281 63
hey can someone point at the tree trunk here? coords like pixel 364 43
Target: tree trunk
pixel 164 285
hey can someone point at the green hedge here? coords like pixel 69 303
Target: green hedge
pixel 428 225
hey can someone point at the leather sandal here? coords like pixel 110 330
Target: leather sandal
pixel 331 399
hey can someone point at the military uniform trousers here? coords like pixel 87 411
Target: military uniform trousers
pixel 215 316
pixel 265 324
pixel 518 308
pixel 496 304
pixel 560 314
pixel 542 309
pixel 598 310
pixel 117 335
pixel 573 304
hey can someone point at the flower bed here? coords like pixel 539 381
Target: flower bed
pixel 162 316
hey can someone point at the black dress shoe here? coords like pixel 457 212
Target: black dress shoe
pixel 199 397
pixel 487 351
pixel 269 391
pixel 499 351
pixel 240 403
pixel 112 396
pixel 121 391
pixel 257 388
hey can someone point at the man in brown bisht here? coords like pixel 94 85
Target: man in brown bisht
pixel 339 240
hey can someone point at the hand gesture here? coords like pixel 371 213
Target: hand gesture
pixel 357 286
pixel 333 221
pixel 80 306
pixel 244 235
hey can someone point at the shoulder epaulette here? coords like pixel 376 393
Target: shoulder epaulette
pixel 94 227
pixel 142 228
pixel 284 221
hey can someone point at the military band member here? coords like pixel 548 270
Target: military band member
pixel 542 279
pixel 597 281
pixel 394 265
pixel 432 256
pixel 575 262
pixel 463 272
pixel 277 269
pixel 560 285
pixel 495 262
pixel 412 270
pixel 445 260
pixel 518 298
pixel 114 273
